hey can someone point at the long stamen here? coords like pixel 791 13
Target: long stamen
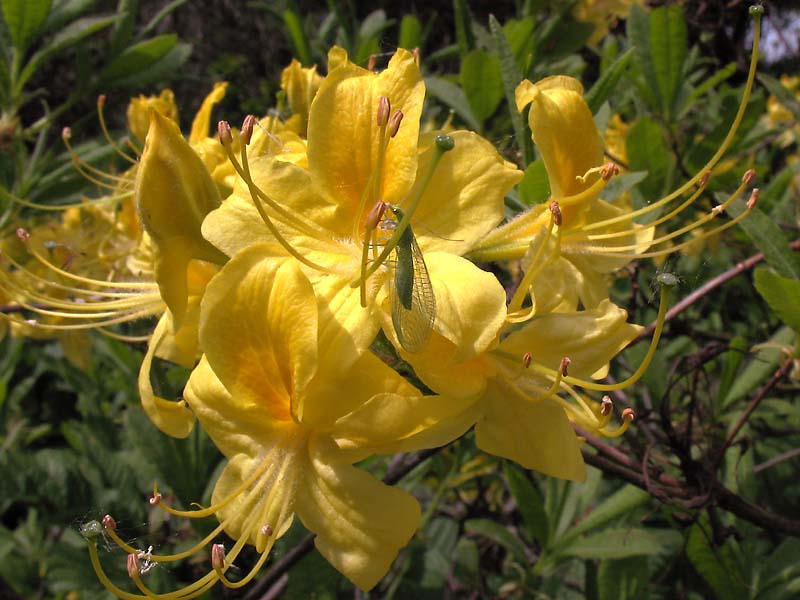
pixel 444 143
pixel 756 13
pixel 101 102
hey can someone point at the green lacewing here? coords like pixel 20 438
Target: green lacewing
pixel 413 301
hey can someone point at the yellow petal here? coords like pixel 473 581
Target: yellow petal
pixel 470 309
pixel 360 523
pixel 258 330
pixel 171 417
pixel 590 338
pixel 202 120
pixel 139 111
pixel 236 427
pixel 388 418
pixel 301 85
pixel 464 199
pixel 174 193
pixel 564 132
pixel 535 435
pixel 343 134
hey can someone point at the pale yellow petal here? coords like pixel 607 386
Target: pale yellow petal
pixel 258 330
pixel 361 523
pixel 202 120
pixel 536 435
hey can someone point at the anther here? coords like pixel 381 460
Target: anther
pixel 384 110
pixel 267 530
pixel 224 131
pixel 394 122
pixel 556 210
pixel 373 58
pixel 109 523
pixel 609 171
pixel 156 499
pixel 753 199
pixel 606 406
pixel 564 366
pixel 415 52
pixel 527 358
pixel 66 133
pixel 247 128
pixel 375 215
pixel 23 235
pixel 101 100
pixel 749 176
pixel 628 415
pixel 133 566
pixel 704 179
pixel 218 556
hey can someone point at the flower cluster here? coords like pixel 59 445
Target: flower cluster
pixel 274 256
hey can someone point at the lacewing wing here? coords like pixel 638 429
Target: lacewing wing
pixel 413 301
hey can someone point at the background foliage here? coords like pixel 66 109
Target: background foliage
pixel 698 499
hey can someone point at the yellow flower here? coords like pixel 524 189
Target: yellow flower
pixel 585 237
pixel 518 408
pixel 139 111
pixel 602 14
pixel 292 397
pixel 364 150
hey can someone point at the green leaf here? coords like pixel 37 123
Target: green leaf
pixel 297 36
pixel 760 367
pixel 624 579
pixel 647 151
pixel 163 68
pixel 498 534
pixel 123 29
pixel 64 11
pixel 638 28
pixel 608 81
pixel 480 78
pixel 669 45
pixel 511 77
pixel 465 38
pixel 784 96
pixel 69 36
pixel 732 360
pixel 781 293
pixel 140 57
pixel 312 577
pixel 535 185
pixel 715 564
pixel 24 19
pixel 620 503
pixel 454 97
pixel 564 38
pixel 613 544
pixel 410 32
pixel 768 238
pixel 529 502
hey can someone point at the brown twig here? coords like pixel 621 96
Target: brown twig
pixel 776 377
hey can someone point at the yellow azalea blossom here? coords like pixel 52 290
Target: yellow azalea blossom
pixel 292 397
pixel 602 14
pixel 519 413
pixel 364 150
pixel 588 237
